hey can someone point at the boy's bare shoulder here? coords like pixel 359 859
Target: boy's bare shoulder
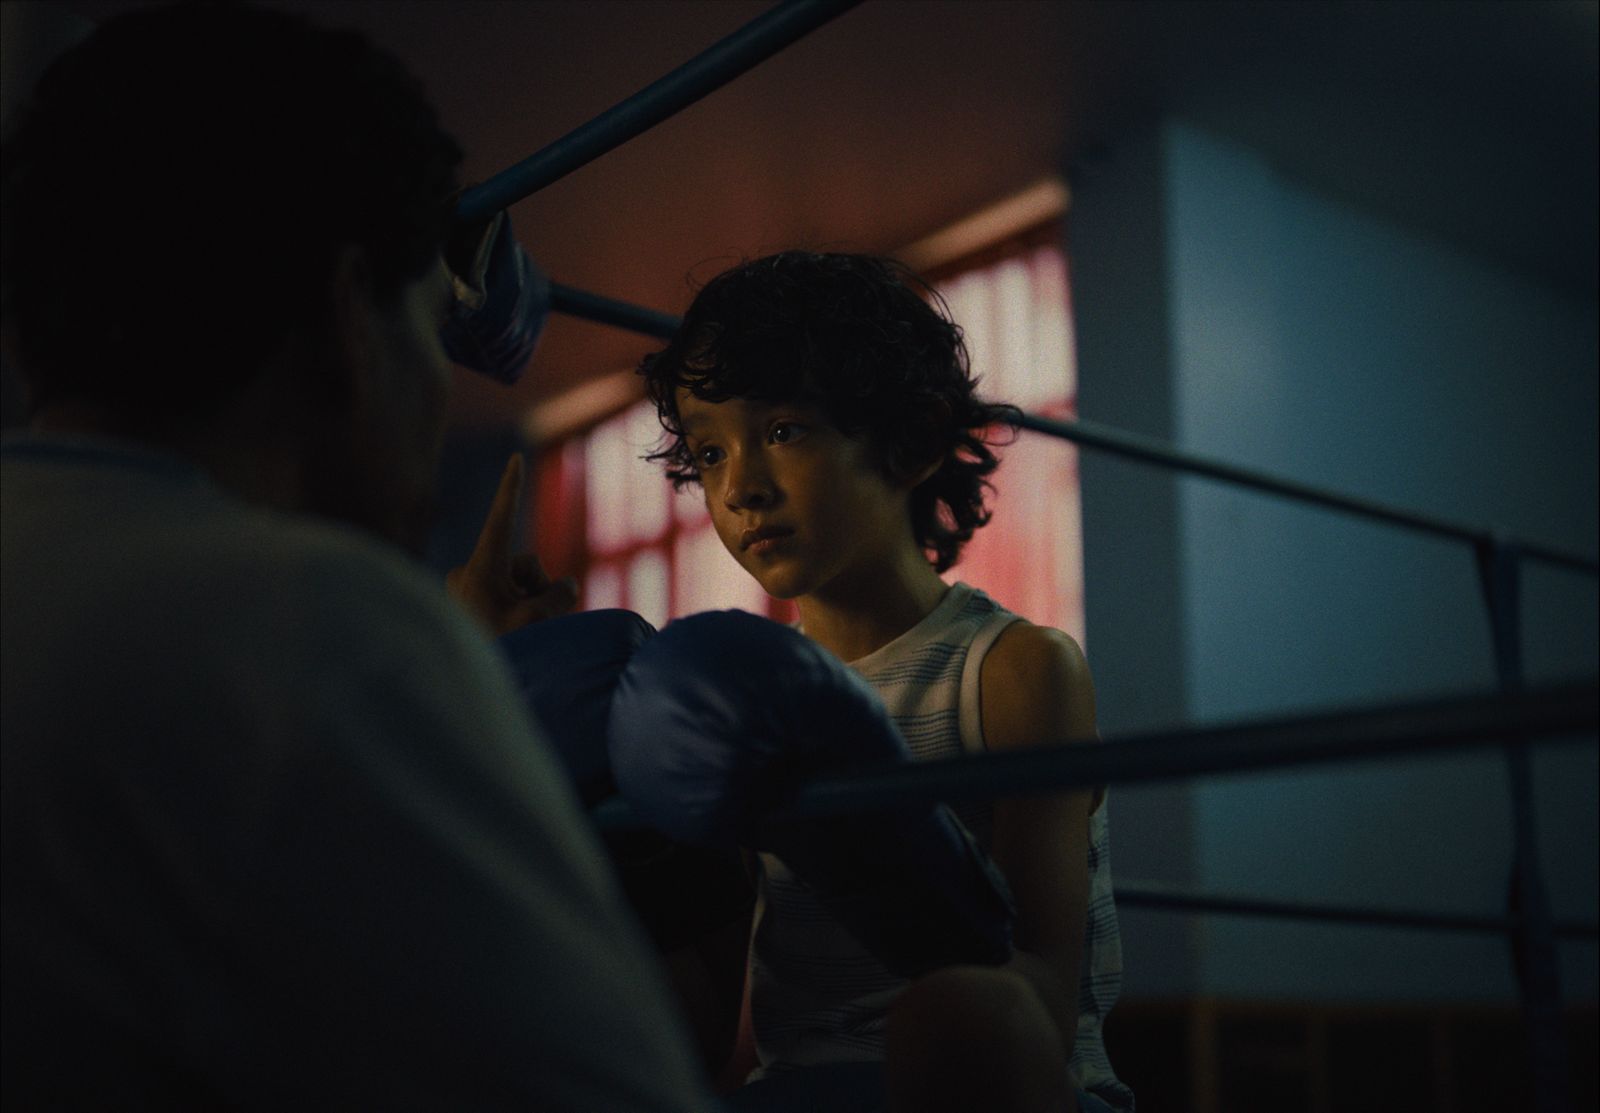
pixel 1036 689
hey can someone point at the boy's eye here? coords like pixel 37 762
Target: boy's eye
pixel 707 456
pixel 786 432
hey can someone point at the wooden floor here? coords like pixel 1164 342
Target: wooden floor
pixel 1209 1056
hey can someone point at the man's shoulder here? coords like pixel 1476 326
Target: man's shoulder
pixel 244 565
pixel 201 617
pixel 338 603
pixel 132 557
pixel 333 569
pixel 88 509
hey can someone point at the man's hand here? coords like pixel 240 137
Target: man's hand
pixel 506 589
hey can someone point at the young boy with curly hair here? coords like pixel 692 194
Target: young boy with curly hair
pixel 827 412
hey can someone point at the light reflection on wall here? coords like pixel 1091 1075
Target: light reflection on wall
pixel 1018 324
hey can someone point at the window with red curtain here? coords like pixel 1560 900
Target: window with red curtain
pixel 609 517
pixel 1017 318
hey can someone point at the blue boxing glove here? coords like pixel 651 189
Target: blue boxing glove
pixel 502 299
pixel 567 669
pixel 721 715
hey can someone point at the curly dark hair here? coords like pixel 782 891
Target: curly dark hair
pixel 870 344
pixel 178 188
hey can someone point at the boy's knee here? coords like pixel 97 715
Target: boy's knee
pixel 974 1038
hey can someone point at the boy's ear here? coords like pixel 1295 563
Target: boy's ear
pixel 927 447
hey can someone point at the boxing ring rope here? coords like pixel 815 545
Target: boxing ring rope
pixel 1438 726
pixel 1152 451
pixel 608 311
pixel 1512 720
pixel 1247 747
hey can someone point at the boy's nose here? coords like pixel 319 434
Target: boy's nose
pixel 749 488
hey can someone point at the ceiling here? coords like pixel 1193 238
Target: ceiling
pixel 1475 122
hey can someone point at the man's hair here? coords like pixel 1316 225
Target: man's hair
pixel 178 189
pixel 859 337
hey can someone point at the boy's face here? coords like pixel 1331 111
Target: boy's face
pixel 802 507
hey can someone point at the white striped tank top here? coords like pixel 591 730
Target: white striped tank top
pixel 816 995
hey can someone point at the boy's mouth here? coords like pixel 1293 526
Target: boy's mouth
pixel 759 534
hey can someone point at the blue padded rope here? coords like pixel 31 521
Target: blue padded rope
pixel 1553 715
pixel 703 74
pixel 1152 451
pixel 609 311
pixel 1413 728
pixel 1437 726
pixel 1532 937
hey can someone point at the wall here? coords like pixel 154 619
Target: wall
pixel 1244 316
pixel 1116 250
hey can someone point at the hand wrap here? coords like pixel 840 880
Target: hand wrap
pixel 501 304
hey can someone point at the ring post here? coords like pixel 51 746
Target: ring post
pixel 1532 939
pixel 705 73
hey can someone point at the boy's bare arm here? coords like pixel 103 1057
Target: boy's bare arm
pixel 1036 691
pixel 709 977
